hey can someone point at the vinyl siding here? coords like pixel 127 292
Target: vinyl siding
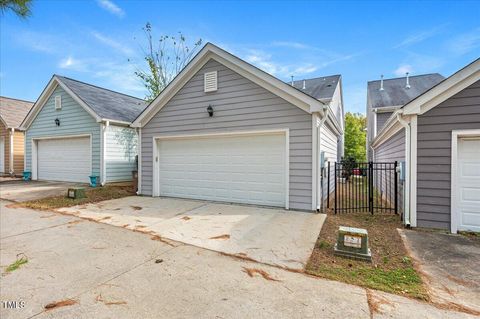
pixel 390 151
pixel 74 120
pixel 382 119
pixel 461 111
pixel 328 144
pixel 239 105
pixel 18 147
pixel 120 152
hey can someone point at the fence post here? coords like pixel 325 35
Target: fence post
pixel 328 185
pixel 370 187
pixel 396 187
pixel 335 176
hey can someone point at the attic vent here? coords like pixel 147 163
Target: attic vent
pixel 210 79
pixel 58 102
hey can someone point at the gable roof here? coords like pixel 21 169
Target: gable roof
pixel 395 92
pixel 249 71
pixel 102 104
pixel 321 88
pixel 107 104
pixel 13 111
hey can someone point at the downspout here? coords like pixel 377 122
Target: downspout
pixel 104 152
pixel 408 155
pixel 324 114
pixel 10 156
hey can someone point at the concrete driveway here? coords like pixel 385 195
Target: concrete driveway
pixel 268 235
pixel 19 191
pixel 450 265
pixel 110 272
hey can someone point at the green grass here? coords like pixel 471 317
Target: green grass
pixel 93 195
pixel 15 265
pixel 404 281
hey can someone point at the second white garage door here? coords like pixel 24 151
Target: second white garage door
pixel 243 169
pixel 65 159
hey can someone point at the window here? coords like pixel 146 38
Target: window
pixel 210 81
pixel 58 102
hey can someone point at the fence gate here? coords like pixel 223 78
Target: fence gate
pixel 371 187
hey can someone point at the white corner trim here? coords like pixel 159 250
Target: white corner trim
pixel 314 160
pixel 155 156
pixel 374 124
pixel 10 156
pixel 454 196
pixel 413 168
pixel 103 154
pixel 407 183
pixel 139 159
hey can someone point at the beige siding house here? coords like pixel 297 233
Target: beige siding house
pixel 12 113
pixel 224 130
pixel 438 136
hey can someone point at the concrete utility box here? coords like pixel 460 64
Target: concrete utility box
pixel 353 243
pixel 76 192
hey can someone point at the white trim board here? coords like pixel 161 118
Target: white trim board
pixel 155 156
pixel 456 134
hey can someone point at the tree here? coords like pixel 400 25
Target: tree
pixel 165 59
pixel 20 7
pixel 355 136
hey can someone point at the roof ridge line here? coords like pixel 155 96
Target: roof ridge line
pixel 403 77
pixel 12 98
pixel 99 87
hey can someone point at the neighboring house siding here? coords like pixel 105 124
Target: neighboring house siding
pixel 461 111
pixel 18 151
pixel 328 145
pixel 120 152
pixel 74 120
pixel 390 151
pixel 382 119
pixel 239 105
pixel 4 136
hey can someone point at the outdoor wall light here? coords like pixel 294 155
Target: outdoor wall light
pixel 57 122
pixel 210 110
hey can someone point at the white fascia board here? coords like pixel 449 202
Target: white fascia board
pixel 47 92
pixel 259 77
pixel 444 90
pixel 392 126
pixel 386 109
pixel 116 122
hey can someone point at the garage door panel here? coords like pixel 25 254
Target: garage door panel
pixel 245 169
pixel 469 184
pixel 66 159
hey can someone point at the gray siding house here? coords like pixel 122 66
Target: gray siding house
pixel 385 96
pixel 224 130
pixel 76 130
pixel 437 134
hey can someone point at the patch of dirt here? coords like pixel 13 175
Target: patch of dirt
pixel 136 207
pixel 186 218
pixel 58 304
pixel 13 205
pixel 224 236
pixel 252 271
pixel 99 298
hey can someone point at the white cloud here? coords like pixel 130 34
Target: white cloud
pixel 70 63
pixel 465 43
pixel 120 77
pixel 39 42
pixel 402 69
pixel 112 43
pixel 111 7
pixel 290 44
pixel 419 37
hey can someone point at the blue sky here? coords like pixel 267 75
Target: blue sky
pixel 93 41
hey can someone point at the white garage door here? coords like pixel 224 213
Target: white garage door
pixel 469 184
pixel 242 169
pixel 66 159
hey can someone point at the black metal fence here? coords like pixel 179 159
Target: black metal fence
pixel 371 187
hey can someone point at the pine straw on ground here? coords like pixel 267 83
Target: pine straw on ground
pixel 93 195
pixel 391 270
pixel 252 271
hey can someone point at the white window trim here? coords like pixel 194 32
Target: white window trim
pixel 454 200
pixel 58 98
pixel 155 157
pixel 34 141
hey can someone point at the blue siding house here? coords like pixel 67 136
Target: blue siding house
pixel 76 130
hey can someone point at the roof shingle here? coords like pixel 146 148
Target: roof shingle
pixel 13 111
pixel 321 88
